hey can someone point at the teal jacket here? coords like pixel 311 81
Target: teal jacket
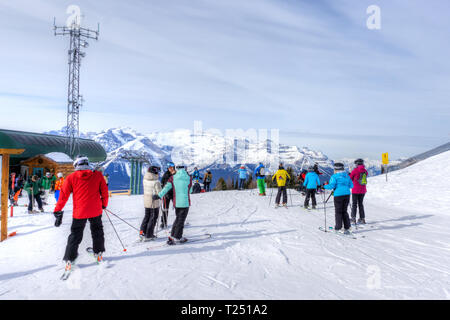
pixel 341 184
pixel 181 183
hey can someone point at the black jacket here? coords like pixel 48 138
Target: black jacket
pixel 164 180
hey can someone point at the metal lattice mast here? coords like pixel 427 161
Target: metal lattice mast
pixel 78 36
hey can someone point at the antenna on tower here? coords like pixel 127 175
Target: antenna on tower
pixel 77 37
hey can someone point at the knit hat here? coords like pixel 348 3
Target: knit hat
pixel 338 166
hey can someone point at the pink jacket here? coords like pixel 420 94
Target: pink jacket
pixel 357 188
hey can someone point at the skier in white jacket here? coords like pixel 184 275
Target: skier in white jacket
pixel 152 186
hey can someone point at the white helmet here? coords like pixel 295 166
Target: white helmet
pixel 60 175
pixel 81 160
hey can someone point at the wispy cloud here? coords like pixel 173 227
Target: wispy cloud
pixel 309 66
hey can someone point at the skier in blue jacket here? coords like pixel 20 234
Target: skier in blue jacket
pixel 341 183
pixel 196 174
pixel 260 176
pixel 242 176
pixel 311 182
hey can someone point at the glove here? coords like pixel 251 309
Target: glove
pixel 155 197
pixel 58 215
pixel 103 207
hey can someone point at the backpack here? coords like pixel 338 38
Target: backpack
pixel 261 172
pixel 208 178
pixel 362 178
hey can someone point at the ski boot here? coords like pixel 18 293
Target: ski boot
pixel 99 257
pixel 277 205
pixel 183 240
pixel 141 235
pixel 30 212
pixel 353 220
pixel 151 238
pixel 347 232
pixel 361 221
pixel 171 241
pixel 314 207
pixel 41 209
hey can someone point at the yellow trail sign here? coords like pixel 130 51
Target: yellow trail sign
pixel 385 158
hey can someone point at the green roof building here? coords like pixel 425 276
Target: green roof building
pixel 39 143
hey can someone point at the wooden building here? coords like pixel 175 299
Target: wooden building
pixel 40 164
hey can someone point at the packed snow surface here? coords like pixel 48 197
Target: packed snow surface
pixel 59 157
pixel 256 251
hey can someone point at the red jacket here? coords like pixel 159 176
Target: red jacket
pixel 90 193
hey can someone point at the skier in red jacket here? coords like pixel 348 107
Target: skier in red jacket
pixel 90 197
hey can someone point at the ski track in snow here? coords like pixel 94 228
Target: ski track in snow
pixel 255 252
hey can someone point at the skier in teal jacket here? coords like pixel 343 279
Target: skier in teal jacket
pixel 181 183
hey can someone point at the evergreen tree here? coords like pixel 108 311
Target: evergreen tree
pixel 291 183
pixel 230 184
pixel 248 183
pixel 221 184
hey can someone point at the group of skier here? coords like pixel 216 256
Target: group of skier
pixel 341 183
pixel 90 199
pixel 39 190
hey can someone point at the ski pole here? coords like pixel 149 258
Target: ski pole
pixel 162 212
pixel 106 211
pixel 328 196
pixel 270 199
pixel 121 219
pixel 325 212
pixel 290 196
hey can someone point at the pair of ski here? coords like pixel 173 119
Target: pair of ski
pixel 331 230
pixel 276 207
pixel 190 239
pixel 68 272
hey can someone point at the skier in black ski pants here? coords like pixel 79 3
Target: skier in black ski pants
pixel 151 186
pixel 341 183
pixel 181 184
pixel 169 195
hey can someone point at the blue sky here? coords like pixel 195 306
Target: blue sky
pixel 309 68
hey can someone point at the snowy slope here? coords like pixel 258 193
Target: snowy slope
pixel 256 252
pixel 426 182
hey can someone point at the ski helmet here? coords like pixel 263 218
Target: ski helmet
pixel 60 175
pixel 170 164
pixel 154 169
pixel 311 168
pixel 80 161
pixel 339 166
pixel 359 162
pixel 48 174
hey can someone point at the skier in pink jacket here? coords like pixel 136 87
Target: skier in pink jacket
pixel 359 179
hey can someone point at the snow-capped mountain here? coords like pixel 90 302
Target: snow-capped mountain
pixel 220 154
